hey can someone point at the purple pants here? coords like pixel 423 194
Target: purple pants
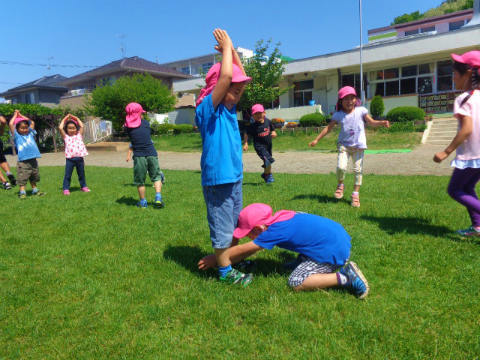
pixel 462 189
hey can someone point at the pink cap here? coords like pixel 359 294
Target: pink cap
pixel 134 115
pixel 471 58
pixel 257 108
pixel 345 91
pixel 258 214
pixel 72 120
pixel 212 78
pixel 18 119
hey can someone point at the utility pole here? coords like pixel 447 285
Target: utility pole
pixel 48 66
pixel 123 48
pixel 362 92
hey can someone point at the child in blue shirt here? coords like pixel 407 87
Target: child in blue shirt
pixel 323 246
pixel 221 162
pixel 23 131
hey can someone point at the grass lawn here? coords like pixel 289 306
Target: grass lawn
pixel 90 276
pixel 296 142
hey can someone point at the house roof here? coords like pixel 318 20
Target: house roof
pixel 132 63
pixel 46 82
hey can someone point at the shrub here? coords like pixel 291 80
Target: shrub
pixel 161 129
pixel 277 121
pixel 406 113
pixel 376 106
pixel 183 129
pixel 315 119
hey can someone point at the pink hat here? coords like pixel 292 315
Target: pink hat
pixel 212 78
pixel 72 120
pixel 257 108
pixel 18 119
pixel 471 58
pixel 345 91
pixel 134 115
pixel 258 214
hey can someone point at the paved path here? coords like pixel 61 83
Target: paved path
pixel 417 162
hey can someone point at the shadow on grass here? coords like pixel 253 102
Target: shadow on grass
pixel 253 184
pixel 409 225
pixel 320 198
pixel 189 256
pixel 129 201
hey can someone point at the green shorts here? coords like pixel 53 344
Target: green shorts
pixel 27 170
pixel 144 164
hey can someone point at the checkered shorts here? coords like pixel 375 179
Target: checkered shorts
pixel 309 267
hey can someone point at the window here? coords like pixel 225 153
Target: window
pixel 444 75
pixel 186 70
pixel 353 80
pixel 302 92
pixel 427 29
pixel 28 100
pixel 425 85
pixel 206 67
pixel 408 86
pixel 108 81
pixel 455 25
pixel 411 32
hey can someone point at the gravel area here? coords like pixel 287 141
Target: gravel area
pixel 417 162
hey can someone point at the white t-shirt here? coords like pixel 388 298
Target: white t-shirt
pixel 352 128
pixel 470 149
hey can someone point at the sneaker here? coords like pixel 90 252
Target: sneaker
pixel 142 204
pixel 12 179
pixel 66 192
pixel 22 196
pixel 7 186
pixel 246 266
pixel 237 277
pixel 38 193
pixel 356 282
pixel 471 231
pixel 339 192
pixel 269 179
pixel 264 177
pixel 85 189
pixel 159 204
pixel 355 200
pixel 162 176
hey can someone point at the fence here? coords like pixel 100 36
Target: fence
pixel 96 130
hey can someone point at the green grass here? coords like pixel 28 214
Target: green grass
pixel 90 276
pixel 297 141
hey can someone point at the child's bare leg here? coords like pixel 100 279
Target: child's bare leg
pixel 356 188
pixel 268 169
pixel 2 178
pixel 5 167
pixel 33 184
pixel 222 257
pixel 318 281
pixel 21 188
pixel 141 191
pixel 158 186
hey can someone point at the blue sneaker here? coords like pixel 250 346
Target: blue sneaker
pixel 269 179
pixel 356 282
pixel 142 204
pixel 471 231
pixel 264 177
pixel 159 202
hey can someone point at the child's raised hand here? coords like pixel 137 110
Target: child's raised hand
pixel 223 40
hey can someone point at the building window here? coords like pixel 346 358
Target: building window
pixel 186 70
pixel 302 92
pixel 411 32
pixel 455 25
pixel 206 67
pixel 108 81
pixel 28 100
pixel 353 80
pixel 427 29
pixel 444 75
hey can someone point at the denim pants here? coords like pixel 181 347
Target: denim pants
pixel 79 164
pixel 224 203
pixel 462 189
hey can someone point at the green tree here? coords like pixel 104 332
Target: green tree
pixel 266 72
pixel 109 101
pixel 416 15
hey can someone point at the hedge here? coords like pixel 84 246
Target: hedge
pixel 406 113
pixel 182 129
pixel 161 129
pixel 313 120
pixel 377 106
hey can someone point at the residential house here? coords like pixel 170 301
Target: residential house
pixel 45 91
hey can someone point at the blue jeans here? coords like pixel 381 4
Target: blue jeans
pixel 224 203
pixel 79 164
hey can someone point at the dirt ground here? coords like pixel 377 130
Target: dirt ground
pixel 417 162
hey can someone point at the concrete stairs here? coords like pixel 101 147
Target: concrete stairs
pixel 442 131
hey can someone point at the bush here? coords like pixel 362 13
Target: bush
pixel 182 129
pixel 376 106
pixel 402 127
pixel 315 120
pixel 161 129
pixel 406 113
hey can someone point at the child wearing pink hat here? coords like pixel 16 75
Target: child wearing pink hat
pixel 352 140
pixel 71 129
pixel 322 244
pixel 221 162
pixel 466 173
pixel 262 131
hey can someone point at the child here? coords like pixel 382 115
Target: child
pixel 145 156
pixel 221 160
pixel 323 246
pixel 3 160
pixel 23 131
pixel 71 128
pixel 263 132
pixel 351 140
pixel 466 173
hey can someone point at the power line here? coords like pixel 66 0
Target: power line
pixel 6 62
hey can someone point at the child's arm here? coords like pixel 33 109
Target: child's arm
pixel 466 128
pixel 129 154
pixel 80 125
pixel 12 121
pixel 245 141
pixel 376 123
pixel 324 132
pixel 62 124
pixel 236 59
pixel 3 123
pixel 226 71
pixel 236 254
pixel 273 134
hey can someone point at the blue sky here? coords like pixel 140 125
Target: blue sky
pixel 85 32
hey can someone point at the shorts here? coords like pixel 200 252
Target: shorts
pixel 27 170
pixel 144 164
pixel 224 203
pixel 264 152
pixel 2 155
pixel 309 267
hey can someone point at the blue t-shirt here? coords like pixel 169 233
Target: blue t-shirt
pixel 142 144
pixel 26 146
pixel 314 236
pixel 221 161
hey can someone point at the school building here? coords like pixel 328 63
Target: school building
pixel 406 64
